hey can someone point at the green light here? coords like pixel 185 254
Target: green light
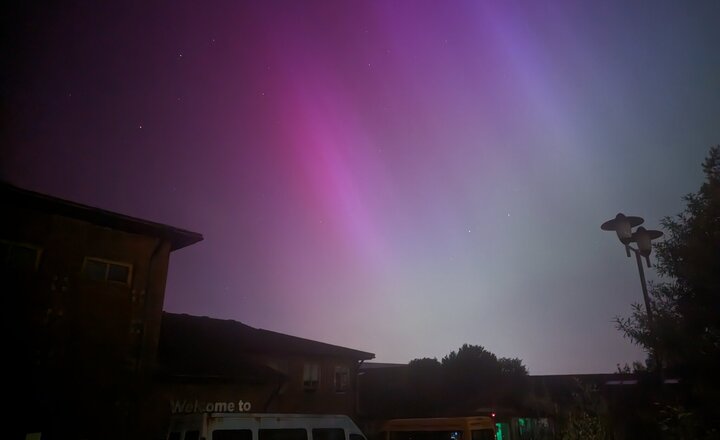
pixel 502 431
pixel 523 426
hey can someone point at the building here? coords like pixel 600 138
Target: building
pixel 214 365
pixel 94 354
pixel 86 289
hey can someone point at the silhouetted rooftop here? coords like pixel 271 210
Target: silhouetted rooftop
pixel 194 343
pixel 23 198
pixel 376 365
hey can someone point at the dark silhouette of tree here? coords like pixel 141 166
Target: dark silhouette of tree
pixel 468 377
pixel 512 367
pixel 587 418
pixel 426 380
pixel 687 305
pixel 425 364
pixel 471 360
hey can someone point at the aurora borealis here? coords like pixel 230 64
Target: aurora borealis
pixel 400 177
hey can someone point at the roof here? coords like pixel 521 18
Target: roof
pixel 23 198
pixel 186 336
pixel 376 365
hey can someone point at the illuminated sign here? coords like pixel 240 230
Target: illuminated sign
pixel 197 406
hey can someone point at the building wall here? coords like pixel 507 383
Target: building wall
pixel 293 396
pixel 175 396
pixel 83 350
pixel 86 344
pixel 273 393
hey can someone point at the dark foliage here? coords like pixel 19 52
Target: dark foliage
pixel 470 377
pixel 686 328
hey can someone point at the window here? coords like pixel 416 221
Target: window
pixel 232 434
pixel 19 257
pixel 328 434
pixel 282 434
pixel 311 377
pixel 103 270
pixel 342 379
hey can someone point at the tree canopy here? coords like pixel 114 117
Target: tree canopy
pixel 471 376
pixel 686 326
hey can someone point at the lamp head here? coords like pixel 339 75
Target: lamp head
pixel 644 237
pixel 622 225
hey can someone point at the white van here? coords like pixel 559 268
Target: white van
pixel 249 426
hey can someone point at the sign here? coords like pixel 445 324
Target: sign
pixel 196 406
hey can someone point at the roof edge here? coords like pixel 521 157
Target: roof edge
pixel 348 352
pixel 179 238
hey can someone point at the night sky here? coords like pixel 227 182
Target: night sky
pixel 399 177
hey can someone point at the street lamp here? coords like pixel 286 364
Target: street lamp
pixel 623 225
pixel 644 238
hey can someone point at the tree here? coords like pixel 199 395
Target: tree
pixel 460 379
pixel 472 360
pixel 512 367
pixel 476 361
pixel 686 326
pixel 424 363
pixel 588 417
pixel 426 391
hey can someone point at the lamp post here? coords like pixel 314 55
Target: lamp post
pixel 622 225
